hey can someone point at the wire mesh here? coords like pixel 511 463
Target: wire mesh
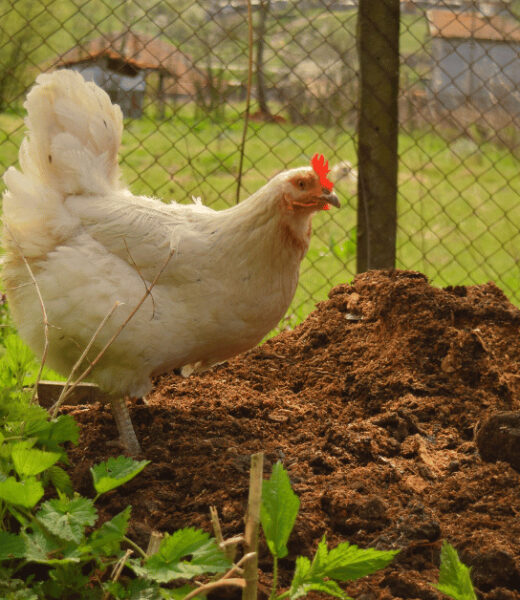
pixel 178 68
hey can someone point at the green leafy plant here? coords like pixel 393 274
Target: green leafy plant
pixel 346 562
pixel 454 576
pixel 18 365
pixel 170 563
pixel 115 472
pixel 31 446
pixel 58 535
pixel 53 533
pixel 52 547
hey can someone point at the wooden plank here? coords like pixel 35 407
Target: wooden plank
pixel 378 44
pixel 83 393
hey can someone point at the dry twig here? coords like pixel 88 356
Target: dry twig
pixel 229 547
pixel 127 320
pixel 118 569
pixel 68 387
pixel 116 334
pixel 212 585
pixel 226 579
pixel 140 275
pixel 215 522
pixel 248 98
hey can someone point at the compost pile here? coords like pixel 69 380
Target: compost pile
pixel 373 404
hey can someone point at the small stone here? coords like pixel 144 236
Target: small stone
pixel 498 438
pixel 277 417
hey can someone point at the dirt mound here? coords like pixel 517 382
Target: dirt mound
pixel 371 404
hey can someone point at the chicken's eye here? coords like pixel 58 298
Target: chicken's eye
pixel 301 184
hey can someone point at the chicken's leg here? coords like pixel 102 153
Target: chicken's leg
pixel 124 425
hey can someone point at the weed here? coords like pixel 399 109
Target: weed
pixel 345 562
pixel 59 534
pixel 51 547
pixel 454 576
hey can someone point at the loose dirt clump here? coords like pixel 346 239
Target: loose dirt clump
pixel 372 405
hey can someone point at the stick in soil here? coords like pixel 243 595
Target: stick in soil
pixel 229 547
pixel 252 526
pixel 215 522
pixel 154 542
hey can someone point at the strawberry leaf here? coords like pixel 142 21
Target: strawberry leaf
pixel 115 472
pixel 43 547
pixel 63 429
pixel 11 546
pixel 111 533
pixel 31 461
pixel 345 562
pixel 185 554
pixel 60 480
pixel 26 493
pixel 67 518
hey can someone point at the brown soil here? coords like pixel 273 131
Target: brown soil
pixel 372 405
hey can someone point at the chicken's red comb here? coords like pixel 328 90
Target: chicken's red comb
pixel 321 168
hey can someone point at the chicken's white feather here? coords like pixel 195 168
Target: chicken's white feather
pixel 91 243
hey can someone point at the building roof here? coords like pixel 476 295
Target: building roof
pixel 136 49
pixel 464 25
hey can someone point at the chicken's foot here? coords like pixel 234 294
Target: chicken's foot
pixel 124 426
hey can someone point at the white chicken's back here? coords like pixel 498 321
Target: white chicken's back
pixel 91 244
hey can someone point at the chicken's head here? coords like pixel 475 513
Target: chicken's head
pixel 308 189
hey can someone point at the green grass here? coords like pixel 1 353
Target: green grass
pixel 459 211
pixel 414 35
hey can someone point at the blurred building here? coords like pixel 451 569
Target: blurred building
pixel 476 60
pixel 119 62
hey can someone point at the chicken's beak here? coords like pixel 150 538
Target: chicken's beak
pixel 330 198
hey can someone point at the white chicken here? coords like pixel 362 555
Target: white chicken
pixel 91 243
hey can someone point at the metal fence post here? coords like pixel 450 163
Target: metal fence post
pixel 378 43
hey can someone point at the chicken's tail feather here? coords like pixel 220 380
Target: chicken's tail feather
pixel 74 135
pixel 71 147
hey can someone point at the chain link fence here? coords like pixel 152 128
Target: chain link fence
pixel 459 209
pixel 179 70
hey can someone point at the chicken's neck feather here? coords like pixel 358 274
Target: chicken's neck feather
pixel 267 222
pixel 260 244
